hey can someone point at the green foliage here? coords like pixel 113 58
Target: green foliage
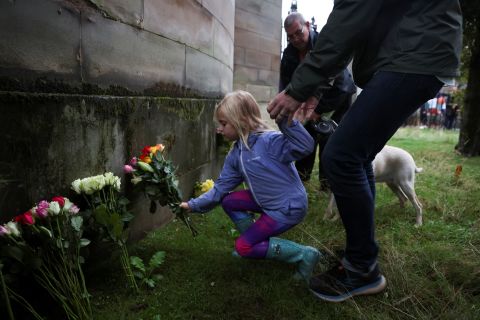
pixel 433 272
pixel 146 273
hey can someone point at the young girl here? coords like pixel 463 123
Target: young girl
pixel 263 159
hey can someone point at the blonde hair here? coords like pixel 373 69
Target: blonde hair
pixel 242 111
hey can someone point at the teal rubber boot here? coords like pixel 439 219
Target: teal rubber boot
pixel 305 257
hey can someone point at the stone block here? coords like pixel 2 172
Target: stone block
pixel 268 77
pixel 185 21
pixel 119 54
pixel 239 55
pixel 268 10
pixel 244 74
pixel 276 63
pixel 252 40
pixel 258 59
pixel 257 23
pixel 207 74
pixel 223 45
pixel 224 11
pixel 127 11
pixel 261 93
pixel 40 39
pixel 239 86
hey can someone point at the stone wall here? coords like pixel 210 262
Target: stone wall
pixel 84 85
pixel 258 28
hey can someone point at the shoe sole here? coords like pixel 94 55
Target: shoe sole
pixel 373 288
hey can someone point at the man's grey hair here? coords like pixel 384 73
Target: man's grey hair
pixel 292 17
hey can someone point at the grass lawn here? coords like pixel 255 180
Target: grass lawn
pixel 433 272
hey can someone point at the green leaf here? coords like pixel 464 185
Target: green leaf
pixel 138 274
pixel 151 189
pixel 84 242
pixel 46 231
pixel 66 244
pixel 137 263
pixel 150 283
pixel 116 225
pixel 156 260
pixel 157 277
pixel 76 222
pixel 101 215
pixel 123 201
pixel 127 216
pixel 13 252
pixel 144 166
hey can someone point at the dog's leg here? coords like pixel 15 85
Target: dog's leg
pixel 329 214
pixel 409 191
pixel 402 198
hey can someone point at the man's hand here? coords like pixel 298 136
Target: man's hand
pixel 306 111
pixel 282 106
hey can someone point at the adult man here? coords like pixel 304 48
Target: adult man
pixel 338 98
pixel 404 52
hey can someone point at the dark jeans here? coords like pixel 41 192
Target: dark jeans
pixel 380 109
pixel 305 165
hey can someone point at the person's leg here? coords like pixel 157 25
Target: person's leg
pixel 253 243
pixel 258 242
pixel 384 104
pixel 305 166
pixel 238 205
pixel 342 108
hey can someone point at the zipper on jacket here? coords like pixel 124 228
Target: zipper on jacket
pixel 246 176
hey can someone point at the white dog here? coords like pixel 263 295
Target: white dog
pixel 397 169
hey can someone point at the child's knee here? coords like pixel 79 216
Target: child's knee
pixel 242 247
pixel 226 203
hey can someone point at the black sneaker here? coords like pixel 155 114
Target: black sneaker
pixel 339 284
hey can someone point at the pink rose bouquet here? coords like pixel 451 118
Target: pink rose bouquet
pixel 49 235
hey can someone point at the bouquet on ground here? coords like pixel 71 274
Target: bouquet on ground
pixel 47 239
pixel 155 176
pixel 108 208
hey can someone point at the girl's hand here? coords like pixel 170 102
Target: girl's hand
pixel 184 205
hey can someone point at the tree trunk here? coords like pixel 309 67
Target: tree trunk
pixel 469 140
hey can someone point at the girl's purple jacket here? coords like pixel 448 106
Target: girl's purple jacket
pixel 269 172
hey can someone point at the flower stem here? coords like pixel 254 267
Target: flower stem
pixel 7 297
pixel 125 258
pixel 25 303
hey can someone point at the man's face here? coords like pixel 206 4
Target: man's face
pixel 297 35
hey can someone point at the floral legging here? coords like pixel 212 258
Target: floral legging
pixel 253 243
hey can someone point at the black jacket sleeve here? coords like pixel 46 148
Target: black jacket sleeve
pixel 346 26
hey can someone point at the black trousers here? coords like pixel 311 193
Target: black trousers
pixel 382 107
